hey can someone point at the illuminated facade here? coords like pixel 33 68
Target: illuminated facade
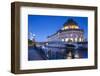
pixel 70 32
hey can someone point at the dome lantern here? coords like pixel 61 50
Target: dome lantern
pixel 70 24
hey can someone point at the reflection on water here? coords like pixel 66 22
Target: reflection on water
pixel 39 53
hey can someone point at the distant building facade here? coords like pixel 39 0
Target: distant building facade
pixel 70 32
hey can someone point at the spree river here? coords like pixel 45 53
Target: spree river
pixel 36 53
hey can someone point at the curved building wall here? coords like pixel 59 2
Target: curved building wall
pixel 68 36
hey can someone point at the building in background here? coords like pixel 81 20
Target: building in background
pixel 70 32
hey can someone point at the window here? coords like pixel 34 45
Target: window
pixel 66 39
pixel 62 40
pixel 71 39
pixel 75 39
pixel 80 39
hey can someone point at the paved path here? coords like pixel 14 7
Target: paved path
pixel 33 54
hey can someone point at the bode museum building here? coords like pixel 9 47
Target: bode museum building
pixel 70 32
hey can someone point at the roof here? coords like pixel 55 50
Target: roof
pixel 59 31
pixel 70 22
pixel 67 23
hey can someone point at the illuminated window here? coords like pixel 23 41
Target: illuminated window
pixel 66 39
pixel 62 40
pixel 71 39
pixel 66 27
pixel 75 39
pixel 72 27
pixel 80 39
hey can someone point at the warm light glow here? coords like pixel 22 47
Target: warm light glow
pixel 80 39
pixel 71 39
pixel 75 39
pixel 73 27
pixel 70 27
pixel 64 28
pixel 66 39
pixel 46 43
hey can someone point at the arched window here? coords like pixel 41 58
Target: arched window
pixel 80 39
pixel 76 39
pixel 66 39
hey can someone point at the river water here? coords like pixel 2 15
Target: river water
pixel 54 54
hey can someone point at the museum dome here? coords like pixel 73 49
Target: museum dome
pixel 70 24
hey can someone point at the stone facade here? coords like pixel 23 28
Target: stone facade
pixel 70 32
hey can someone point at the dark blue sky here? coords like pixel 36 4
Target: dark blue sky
pixel 43 25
